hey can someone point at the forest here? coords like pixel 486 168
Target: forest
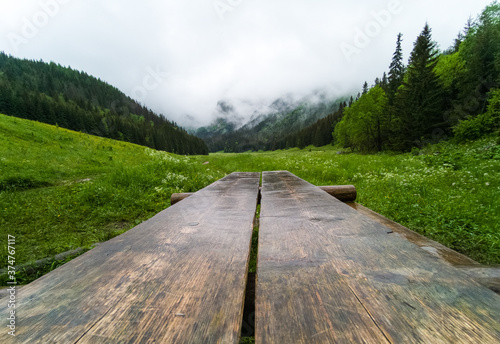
pixel 435 97
pixel 53 94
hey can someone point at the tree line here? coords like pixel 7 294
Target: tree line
pixel 434 97
pixel 53 94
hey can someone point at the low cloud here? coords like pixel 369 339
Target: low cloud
pixel 182 58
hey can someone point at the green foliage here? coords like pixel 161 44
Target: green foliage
pixel 365 124
pixel 428 99
pixel 252 265
pixel 449 69
pixel 481 52
pixel 481 125
pixel 14 183
pixel 446 192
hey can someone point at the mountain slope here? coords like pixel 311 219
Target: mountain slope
pixel 50 93
pixel 266 131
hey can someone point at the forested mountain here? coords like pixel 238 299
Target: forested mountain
pixel 436 96
pixel 50 93
pixel 317 134
pixel 271 130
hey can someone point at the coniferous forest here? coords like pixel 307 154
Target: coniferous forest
pixel 50 93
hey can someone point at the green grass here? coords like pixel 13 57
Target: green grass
pixel 60 190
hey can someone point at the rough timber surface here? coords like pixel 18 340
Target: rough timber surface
pixel 177 278
pixel 328 274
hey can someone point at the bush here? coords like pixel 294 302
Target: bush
pixel 477 127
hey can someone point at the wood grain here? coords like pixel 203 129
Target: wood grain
pixel 445 253
pixel 177 278
pixel 328 274
pixel 488 276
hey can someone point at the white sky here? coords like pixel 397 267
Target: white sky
pixel 180 58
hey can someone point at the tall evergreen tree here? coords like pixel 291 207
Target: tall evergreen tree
pixel 419 102
pixel 365 88
pixel 396 70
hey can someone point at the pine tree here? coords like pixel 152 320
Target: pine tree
pixel 384 82
pixel 396 71
pixel 419 102
pixel 365 88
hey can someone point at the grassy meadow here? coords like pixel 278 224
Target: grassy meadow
pixel 61 190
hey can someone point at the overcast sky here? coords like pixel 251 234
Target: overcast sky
pixel 181 57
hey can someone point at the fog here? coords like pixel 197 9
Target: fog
pixel 180 58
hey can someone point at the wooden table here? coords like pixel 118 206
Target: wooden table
pixel 178 278
pixel 327 274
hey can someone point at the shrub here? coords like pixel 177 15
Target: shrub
pixel 476 127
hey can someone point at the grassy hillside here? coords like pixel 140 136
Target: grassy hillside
pixel 60 190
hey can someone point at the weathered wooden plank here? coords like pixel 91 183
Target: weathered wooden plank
pixel 328 274
pixel 488 276
pixel 178 278
pixel 344 193
pixel 445 253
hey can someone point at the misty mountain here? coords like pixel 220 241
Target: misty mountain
pixel 265 127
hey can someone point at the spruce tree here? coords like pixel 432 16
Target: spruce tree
pixel 365 88
pixel 419 102
pixel 396 71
